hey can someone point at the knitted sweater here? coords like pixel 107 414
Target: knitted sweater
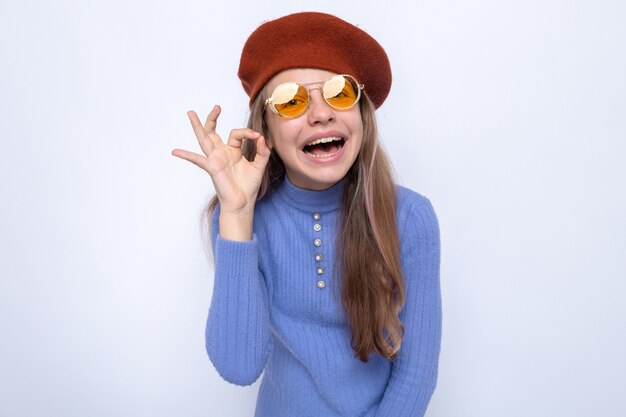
pixel 276 309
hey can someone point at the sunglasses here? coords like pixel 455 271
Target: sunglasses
pixel 291 100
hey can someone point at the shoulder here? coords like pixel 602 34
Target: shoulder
pixel 411 203
pixel 416 216
pixel 408 199
pixel 269 208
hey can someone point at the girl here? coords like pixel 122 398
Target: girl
pixel 326 272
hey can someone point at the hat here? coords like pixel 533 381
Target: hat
pixel 314 40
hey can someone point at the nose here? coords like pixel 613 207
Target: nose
pixel 319 111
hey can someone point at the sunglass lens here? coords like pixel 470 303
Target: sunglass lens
pixel 341 91
pixel 290 99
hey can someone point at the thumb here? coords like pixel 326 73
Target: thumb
pixel 263 152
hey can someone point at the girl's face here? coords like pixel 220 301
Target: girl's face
pixel 321 165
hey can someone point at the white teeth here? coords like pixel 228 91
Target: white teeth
pixel 324 140
pixel 327 155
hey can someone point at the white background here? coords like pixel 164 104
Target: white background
pixel 509 116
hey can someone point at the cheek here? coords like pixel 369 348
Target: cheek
pixel 358 134
pixel 357 126
pixel 282 133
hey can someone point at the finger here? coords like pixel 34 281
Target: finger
pixel 236 137
pixel 263 152
pixel 211 120
pixel 194 158
pixel 203 138
pixel 211 124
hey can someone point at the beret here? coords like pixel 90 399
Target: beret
pixel 314 40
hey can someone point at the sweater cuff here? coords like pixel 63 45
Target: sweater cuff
pixel 239 258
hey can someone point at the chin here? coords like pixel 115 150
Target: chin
pixel 320 182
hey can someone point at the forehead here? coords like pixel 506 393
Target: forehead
pixel 298 75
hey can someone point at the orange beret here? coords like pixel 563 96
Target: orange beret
pixel 314 40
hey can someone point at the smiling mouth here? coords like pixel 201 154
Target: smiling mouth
pixel 324 147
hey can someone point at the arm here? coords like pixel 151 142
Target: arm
pixel 238 329
pixel 414 372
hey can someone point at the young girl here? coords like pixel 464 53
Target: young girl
pixel 326 272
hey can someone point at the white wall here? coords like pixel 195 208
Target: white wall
pixel 509 116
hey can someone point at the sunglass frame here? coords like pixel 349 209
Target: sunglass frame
pixel 270 100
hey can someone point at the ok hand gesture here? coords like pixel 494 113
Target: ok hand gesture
pixel 236 180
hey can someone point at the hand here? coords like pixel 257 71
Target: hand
pixel 236 180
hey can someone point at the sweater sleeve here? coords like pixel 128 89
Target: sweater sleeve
pixel 414 372
pixel 238 325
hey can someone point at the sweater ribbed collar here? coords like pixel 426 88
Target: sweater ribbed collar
pixel 314 201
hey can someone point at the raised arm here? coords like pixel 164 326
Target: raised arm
pixel 238 327
pixel 237 330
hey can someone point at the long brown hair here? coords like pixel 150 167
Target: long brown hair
pixel 372 289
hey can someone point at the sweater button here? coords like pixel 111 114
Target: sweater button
pixel 320 270
pixel 318 257
pixel 317 242
pixel 317 227
pixel 321 284
pixel 316 216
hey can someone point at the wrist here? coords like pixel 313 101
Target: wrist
pixel 236 226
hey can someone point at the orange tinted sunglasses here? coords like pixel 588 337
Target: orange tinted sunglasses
pixel 290 100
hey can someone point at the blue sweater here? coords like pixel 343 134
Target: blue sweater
pixel 277 308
